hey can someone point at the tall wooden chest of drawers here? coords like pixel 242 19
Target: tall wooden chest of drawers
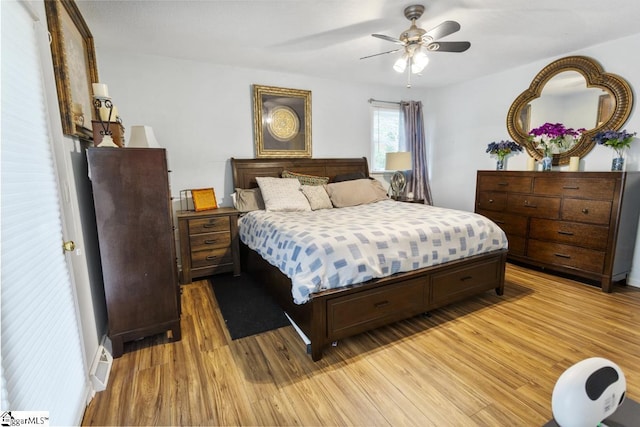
pixel 137 246
pixel 579 223
pixel 209 242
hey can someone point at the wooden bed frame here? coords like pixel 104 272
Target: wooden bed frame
pixel 338 313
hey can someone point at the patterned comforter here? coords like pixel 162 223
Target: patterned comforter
pixel 331 248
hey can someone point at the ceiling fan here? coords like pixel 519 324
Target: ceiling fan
pixel 417 42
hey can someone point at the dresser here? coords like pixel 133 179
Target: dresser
pixel 136 239
pixel 209 242
pixel 578 223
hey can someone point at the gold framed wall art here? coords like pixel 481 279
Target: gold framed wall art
pixel 282 121
pixel 75 67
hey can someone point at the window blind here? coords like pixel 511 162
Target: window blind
pixel 42 365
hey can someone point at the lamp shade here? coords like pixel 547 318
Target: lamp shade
pixel 143 137
pixel 400 161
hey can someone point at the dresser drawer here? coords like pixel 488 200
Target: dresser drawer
pixel 364 310
pixel 503 182
pixel 591 211
pixel 535 206
pixel 572 233
pixel 517 244
pixel 209 225
pixel 492 201
pixel 566 255
pixel 208 241
pixel 586 188
pixel 513 225
pixel 208 258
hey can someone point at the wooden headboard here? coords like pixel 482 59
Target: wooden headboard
pixel 245 171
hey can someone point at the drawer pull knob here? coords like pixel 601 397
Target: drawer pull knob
pixel 566 233
pixel 504 184
pixel 381 304
pixel 569 187
pixel 527 205
pixel 209 225
pixel 209 242
pixel 585 211
pixel 211 257
pixel 563 256
pixel 490 200
pixel 465 278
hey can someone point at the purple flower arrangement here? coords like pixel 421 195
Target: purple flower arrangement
pixel 554 137
pixel 618 140
pixel 503 148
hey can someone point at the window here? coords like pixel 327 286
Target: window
pixel 385 133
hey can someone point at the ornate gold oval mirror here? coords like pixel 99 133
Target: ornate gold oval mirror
pixel 576 92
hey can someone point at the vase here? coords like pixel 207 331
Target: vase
pixel 500 164
pixel 546 163
pixel 617 164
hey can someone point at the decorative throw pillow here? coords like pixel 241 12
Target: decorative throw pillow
pixel 247 200
pixel 282 194
pixel 317 197
pixel 356 192
pixel 306 179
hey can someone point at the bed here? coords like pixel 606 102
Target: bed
pixel 329 314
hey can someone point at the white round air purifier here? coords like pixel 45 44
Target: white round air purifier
pixel 588 392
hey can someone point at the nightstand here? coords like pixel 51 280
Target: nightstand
pixel 209 242
pixel 407 200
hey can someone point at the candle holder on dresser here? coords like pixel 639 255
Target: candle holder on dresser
pixel 103 133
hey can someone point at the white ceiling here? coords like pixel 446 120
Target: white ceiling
pixel 326 38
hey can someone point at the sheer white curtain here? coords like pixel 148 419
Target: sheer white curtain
pixel 42 359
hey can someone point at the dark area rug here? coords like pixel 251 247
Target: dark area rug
pixel 246 307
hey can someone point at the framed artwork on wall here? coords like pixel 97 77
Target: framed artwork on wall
pixel 75 67
pixel 282 122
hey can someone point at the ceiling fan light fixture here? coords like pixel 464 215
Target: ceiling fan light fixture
pixel 401 64
pixel 419 60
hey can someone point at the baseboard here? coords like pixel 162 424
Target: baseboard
pixel 101 366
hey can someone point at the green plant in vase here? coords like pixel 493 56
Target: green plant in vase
pixel 501 150
pixel 619 141
pixel 553 138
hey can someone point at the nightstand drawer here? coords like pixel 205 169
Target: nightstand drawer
pixel 209 225
pixel 211 257
pixel 210 241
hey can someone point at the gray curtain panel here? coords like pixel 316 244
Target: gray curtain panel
pixel 413 123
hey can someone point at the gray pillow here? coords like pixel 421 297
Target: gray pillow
pixel 249 199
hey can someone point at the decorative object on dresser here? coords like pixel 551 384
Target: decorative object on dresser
pixel 208 242
pixel 137 244
pixel 560 90
pixel 398 162
pixel 619 142
pixel 107 113
pixel 204 199
pixel 332 314
pixel 578 223
pixel 281 121
pixel 501 150
pixel 552 139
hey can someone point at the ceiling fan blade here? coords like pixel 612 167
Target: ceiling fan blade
pixel 448 46
pixel 442 30
pixel 381 53
pixel 387 38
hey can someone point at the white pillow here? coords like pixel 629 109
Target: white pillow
pixel 317 197
pixel 282 194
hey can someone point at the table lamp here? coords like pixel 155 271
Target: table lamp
pixel 142 137
pixel 399 162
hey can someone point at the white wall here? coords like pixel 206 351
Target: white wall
pixel 202 114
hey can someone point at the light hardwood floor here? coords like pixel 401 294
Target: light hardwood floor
pixel 487 361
